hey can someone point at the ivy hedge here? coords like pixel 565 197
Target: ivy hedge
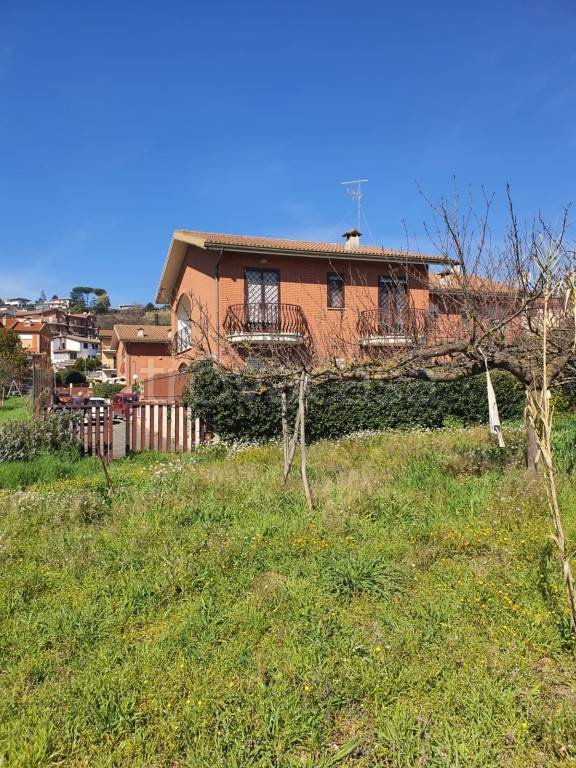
pixel 235 409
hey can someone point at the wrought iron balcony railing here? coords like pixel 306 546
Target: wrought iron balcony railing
pixel 182 340
pixel 392 325
pixel 406 325
pixel 266 323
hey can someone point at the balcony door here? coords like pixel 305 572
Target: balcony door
pixel 262 298
pixel 392 304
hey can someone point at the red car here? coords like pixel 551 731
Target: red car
pixel 122 400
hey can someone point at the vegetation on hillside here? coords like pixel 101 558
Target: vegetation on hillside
pixel 202 616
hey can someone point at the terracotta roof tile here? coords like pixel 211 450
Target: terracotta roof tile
pixel 440 281
pixel 143 333
pixel 215 239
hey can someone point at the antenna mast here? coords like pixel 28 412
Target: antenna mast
pixel 354 189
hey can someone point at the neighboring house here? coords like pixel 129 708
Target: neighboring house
pixel 34 337
pixel 18 302
pixel 67 348
pixel 454 299
pixel 142 351
pixel 57 303
pixel 258 290
pixel 108 354
pixel 61 322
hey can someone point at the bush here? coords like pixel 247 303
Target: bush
pixel 52 433
pixel 235 409
pixel 105 389
pixel 74 377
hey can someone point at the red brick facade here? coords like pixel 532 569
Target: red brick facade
pixel 219 281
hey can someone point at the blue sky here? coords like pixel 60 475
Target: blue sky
pixel 120 122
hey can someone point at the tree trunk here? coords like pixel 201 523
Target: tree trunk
pixel 303 449
pixel 292 443
pixel 285 432
pixel 532 453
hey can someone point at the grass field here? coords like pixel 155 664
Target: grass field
pixel 203 617
pixel 15 409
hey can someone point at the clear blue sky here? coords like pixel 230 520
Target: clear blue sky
pixel 122 121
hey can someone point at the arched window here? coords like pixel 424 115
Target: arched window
pixel 183 340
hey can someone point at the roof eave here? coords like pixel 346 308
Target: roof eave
pixel 360 255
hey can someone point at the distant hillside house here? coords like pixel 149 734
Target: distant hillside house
pixel 62 323
pixel 67 348
pixel 34 337
pixel 142 351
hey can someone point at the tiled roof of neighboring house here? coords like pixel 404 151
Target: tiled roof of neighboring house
pixel 74 337
pixel 142 334
pixel 20 326
pixel 306 248
pixel 454 282
pixel 105 333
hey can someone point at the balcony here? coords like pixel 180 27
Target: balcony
pixel 265 324
pixel 392 327
pixel 182 340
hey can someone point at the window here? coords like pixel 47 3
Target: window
pixel 335 283
pixel 85 346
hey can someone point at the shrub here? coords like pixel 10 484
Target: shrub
pixel 74 377
pixel 105 389
pixel 235 409
pixel 52 433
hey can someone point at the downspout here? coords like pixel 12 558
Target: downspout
pixel 217 277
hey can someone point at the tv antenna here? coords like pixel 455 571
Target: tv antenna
pixel 354 189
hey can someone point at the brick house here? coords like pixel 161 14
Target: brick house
pixel 142 351
pixel 34 337
pixel 256 290
pixel 62 323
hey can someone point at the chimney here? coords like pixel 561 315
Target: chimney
pixel 352 239
pixel 140 332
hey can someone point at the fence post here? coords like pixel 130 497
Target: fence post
pixel 128 417
pixel 110 414
pixel 177 427
pixel 97 437
pixel 151 427
pixel 197 435
pixel 88 416
pixel 185 429
pixel 142 409
pixel 160 427
pixel 134 435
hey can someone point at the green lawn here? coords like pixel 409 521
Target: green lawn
pixel 202 616
pixel 15 409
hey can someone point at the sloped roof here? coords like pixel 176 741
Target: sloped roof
pixel 216 241
pixel 453 282
pixel 149 334
pixel 20 326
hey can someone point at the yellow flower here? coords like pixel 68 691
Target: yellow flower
pixel 524 726
pixel 306 688
pixel 377 649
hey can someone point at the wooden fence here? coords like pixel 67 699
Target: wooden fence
pixel 163 427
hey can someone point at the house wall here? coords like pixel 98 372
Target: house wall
pixel 303 281
pixel 142 360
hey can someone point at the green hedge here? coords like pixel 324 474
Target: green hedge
pixel 235 408
pixel 106 389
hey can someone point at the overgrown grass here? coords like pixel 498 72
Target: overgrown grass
pixel 15 409
pixel 201 616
